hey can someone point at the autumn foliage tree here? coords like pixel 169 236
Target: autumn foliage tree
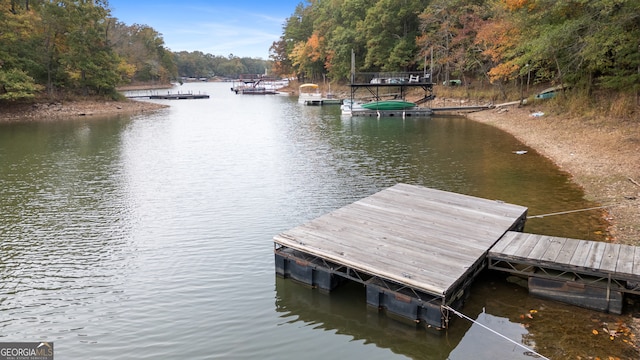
pixel 70 46
pixel 308 57
pixel 589 45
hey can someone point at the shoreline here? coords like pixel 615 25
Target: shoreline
pixel 601 155
pixel 49 111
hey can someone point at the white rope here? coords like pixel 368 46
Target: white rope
pixel 493 331
pixel 571 211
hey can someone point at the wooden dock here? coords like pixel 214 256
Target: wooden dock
pixel 167 96
pixel 415 112
pixel 179 96
pixel 590 274
pixel 457 109
pixel 416 249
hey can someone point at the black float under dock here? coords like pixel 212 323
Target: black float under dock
pixel 416 249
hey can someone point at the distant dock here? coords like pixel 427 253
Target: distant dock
pixel 415 112
pixel 417 251
pixel 256 84
pixel 179 96
pixel 167 96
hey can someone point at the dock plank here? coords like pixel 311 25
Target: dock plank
pixel 509 237
pixel 595 255
pixel 636 263
pixel 625 259
pixel 451 199
pixel 465 239
pixel 610 255
pixel 579 256
pixel 387 261
pixel 453 218
pixel 566 253
pixel 529 243
pixel 462 205
pixel 540 248
pixel 514 246
pixel 554 245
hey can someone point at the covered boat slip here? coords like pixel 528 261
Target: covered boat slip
pixel 590 274
pixel 394 86
pixel 416 249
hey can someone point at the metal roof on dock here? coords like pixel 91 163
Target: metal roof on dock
pixel 423 238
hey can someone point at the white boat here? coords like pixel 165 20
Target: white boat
pixel 309 94
pixel 349 106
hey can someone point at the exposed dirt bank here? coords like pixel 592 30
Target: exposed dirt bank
pixel 67 109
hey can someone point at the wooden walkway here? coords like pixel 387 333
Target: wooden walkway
pixel 565 269
pixel 169 96
pixel 622 261
pixel 429 241
pixel 179 96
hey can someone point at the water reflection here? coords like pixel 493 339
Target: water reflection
pixel 346 312
pixel 63 240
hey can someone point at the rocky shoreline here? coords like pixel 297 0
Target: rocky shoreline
pixel 46 111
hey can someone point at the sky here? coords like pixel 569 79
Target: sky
pixel 244 28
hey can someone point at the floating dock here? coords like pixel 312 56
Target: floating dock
pixel 179 96
pixel 323 101
pixel 254 84
pixel 417 250
pixel 415 112
pixel 168 96
pixel 589 274
pixel 254 90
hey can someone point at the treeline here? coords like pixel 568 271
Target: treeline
pixel 591 44
pixel 76 46
pixel 200 65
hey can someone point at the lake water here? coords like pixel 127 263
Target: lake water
pixel 150 236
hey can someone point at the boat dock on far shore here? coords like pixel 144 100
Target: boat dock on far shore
pixel 389 88
pixel 179 96
pixel 167 96
pixel 256 84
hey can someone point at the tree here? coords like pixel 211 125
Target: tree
pixel 451 28
pixel 17 85
pixel 390 29
pixel 89 63
pixel 582 43
pixel 143 48
pixel 343 37
pixel 278 54
pixel 308 57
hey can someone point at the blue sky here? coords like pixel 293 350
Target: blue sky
pixel 244 28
